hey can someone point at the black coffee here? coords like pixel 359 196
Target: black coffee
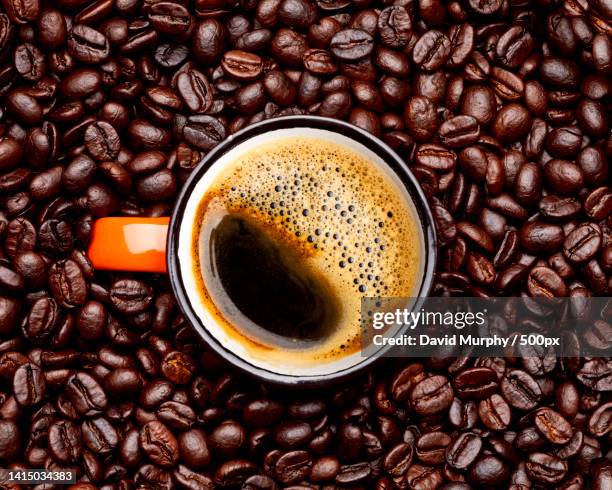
pixel 260 273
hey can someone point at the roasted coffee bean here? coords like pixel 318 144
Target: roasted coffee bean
pixel 29 62
pixel 602 475
pixel 432 395
pixel 319 62
pixel 87 45
pixel 195 90
pixel 394 27
pixel 421 118
pixel 280 88
pixel 130 296
pixel 99 435
pixel 559 73
pixel 167 55
pixel 478 101
pixel 122 382
pixel 205 132
pixel 419 476
pixel 506 84
pixel 159 444
pixel 299 14
pixel 599 421
pixel 24 107
pixel 528 184
pixel 598 203
pixel 546 468
pixel 194 448
pixel 537 237
pixel 511 123
pixel 178 367
pixel 102 141
pixel 169 17
pixel 459 131
pixel 176 415
pixel 431 50
pixel 351 45
pixel 431 447
pixel 488 470
pixel 293 467
pixel 10 152
pixel 156 187
pixel 514 46
pixel 242 65
pixel 520 390
pixel 485 8
pixel 398 459
pixel 86 395
pixel 545 282
pixel 9 362
pixel 190 479
pixel 293 435
pixel 29 384
pixel 148 136
pixel 10 445
pixel 557 208
pixel 321 32
pixel 445 224
pixel 553 426
pixel 22 12
pixel 325 469
pixel 353 474
pixel 154 393
pixel 475 383
pixel 67 283
pixel 464 450
pixel 475 235
pixel 582 243
pixel 42 320
pixel 65 443
pixel 564 142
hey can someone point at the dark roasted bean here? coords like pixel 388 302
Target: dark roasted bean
pixel 65 443
pixel 553 426
pixel 432 395
pixel 158 443
pixel 86 394
pixel 29 384
pixel 87 44
pixel 546 468
pixel 431 50
pixel 394 26
pixel 351 45
pixel 520 390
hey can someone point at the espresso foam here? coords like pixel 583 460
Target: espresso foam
pixel 346 216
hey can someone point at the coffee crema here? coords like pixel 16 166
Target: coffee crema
pixel 290 236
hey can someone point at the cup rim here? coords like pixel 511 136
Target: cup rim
pixel 390 157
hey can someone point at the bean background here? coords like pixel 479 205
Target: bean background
pixel 500 107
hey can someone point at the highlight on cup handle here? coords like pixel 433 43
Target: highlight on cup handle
pixel 129 244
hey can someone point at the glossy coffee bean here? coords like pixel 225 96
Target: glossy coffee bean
pixel 431 50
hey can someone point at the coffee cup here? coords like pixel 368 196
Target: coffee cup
pixel 275 239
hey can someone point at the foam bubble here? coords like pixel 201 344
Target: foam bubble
pixel 343 211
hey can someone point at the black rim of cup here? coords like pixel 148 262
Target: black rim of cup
pixel 368 140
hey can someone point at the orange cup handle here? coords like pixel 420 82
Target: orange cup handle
pixel 129 244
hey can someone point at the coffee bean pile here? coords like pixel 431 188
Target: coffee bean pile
pixel 501 108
